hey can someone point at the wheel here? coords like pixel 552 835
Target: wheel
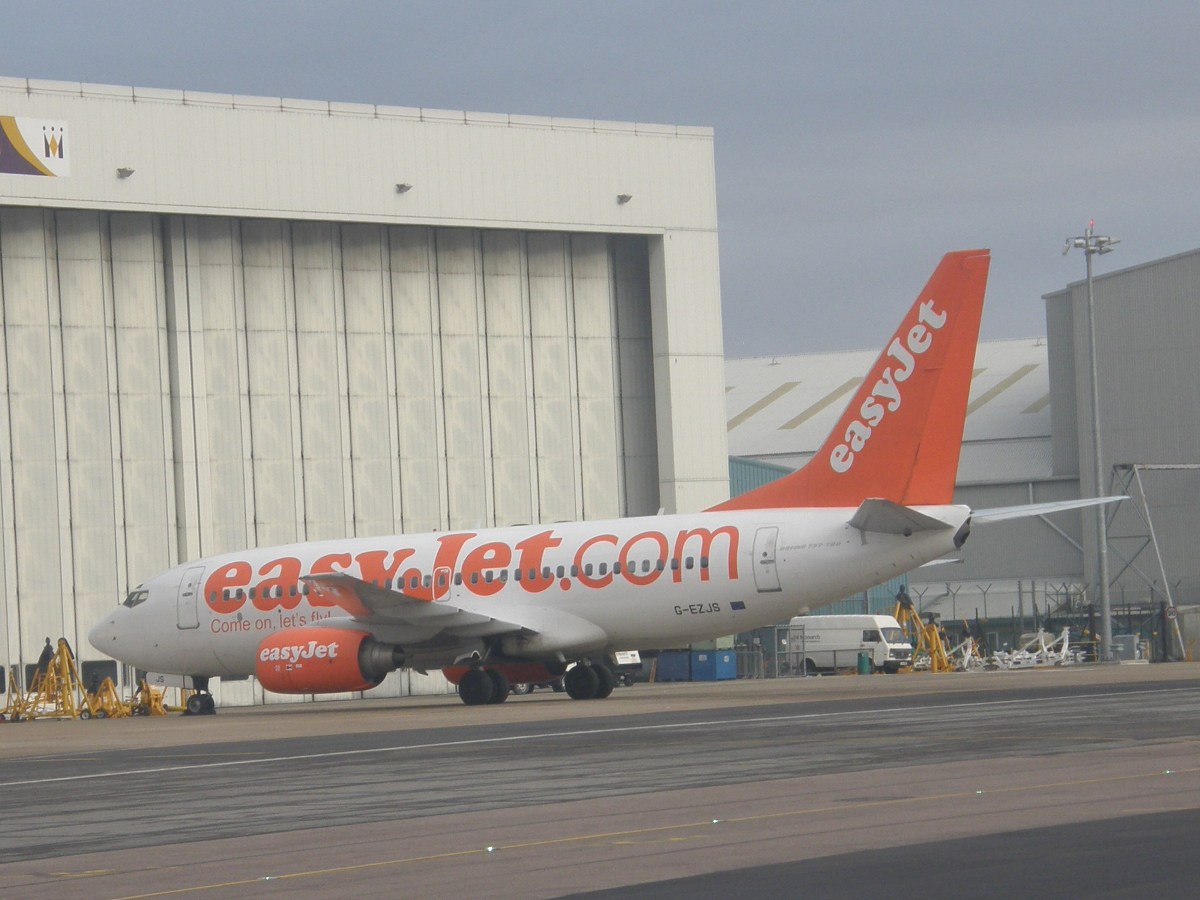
pixel 83 714
pixel 500 686
pixel 195 705
pixel 210 705
pixel 102 714
pixel 627 679
pixel 520 689
pixel 810 667
pixel 607 681
pixel 581 682
pixel 475 688
pixel 558 685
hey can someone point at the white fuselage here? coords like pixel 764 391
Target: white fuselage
pixel 644 583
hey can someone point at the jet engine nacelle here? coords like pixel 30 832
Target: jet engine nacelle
pixel 323 660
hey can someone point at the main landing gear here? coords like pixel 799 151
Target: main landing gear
pixel 480 686
pixel 588 680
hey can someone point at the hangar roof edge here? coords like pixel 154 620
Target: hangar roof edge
pixel 341 108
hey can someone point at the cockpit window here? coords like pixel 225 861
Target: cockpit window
pixel 136 597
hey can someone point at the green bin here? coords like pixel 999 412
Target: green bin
pixel 864 664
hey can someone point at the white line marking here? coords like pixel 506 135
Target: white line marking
pixel 712 723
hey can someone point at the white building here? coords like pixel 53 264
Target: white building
pixel 235 321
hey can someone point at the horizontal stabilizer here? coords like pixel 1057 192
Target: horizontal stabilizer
pixel 886 517
pixel 1001 513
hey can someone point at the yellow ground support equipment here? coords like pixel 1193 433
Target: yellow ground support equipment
pixel 929 648
pixel 104 703
pixel 55 692
pixel 14 709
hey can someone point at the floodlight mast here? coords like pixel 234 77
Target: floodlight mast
pixel 1093 244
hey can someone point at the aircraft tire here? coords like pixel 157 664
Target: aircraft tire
pixel 582 682
pixel 500 686
pixel 520 689
pixel 195 705
pixel 209 704
pixel 607 681
pixel 475 688
pixel 557 686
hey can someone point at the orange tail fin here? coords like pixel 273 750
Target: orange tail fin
pixel 899 438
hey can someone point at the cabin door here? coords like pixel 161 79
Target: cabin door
pixel 766 576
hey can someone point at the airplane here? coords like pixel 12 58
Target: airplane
pixel 530 603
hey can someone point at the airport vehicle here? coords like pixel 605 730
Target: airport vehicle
pixel 519 604
pixel 830 642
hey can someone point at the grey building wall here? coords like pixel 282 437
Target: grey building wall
pixel 1148 352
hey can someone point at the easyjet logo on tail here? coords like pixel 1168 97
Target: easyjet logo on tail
pixel 886 396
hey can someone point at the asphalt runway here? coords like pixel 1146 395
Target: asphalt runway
pixel 1059 783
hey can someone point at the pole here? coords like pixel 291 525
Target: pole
pixel 1091 244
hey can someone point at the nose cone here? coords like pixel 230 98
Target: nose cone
pixel 103 635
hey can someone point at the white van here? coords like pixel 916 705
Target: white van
pixel 834 642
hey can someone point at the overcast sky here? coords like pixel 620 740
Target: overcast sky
pixel 855 142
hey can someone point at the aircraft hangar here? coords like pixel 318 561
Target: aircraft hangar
pixel 233 321
pixel 1028 438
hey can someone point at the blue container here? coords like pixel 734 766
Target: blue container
pixel 674 665
pixel 713 665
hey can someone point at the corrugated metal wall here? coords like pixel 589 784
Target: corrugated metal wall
pixel 179 386
pixel 1147 343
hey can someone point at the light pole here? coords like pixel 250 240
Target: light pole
pixel 1092 244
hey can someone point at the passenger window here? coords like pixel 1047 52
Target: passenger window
pixel 603 568
pixel 441 579
pixel 458 578
pixel 660 564
pixel 474 578
pixel 704 562
pixel 516 574
pixel 487 576
pixel 587 569
pixel 561 571
pixel 616 568
pixel 674 564
pixel 688 563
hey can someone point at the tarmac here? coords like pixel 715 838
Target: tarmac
pixel 666 790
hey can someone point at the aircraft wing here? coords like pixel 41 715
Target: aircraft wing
pixel 418 620
pixel 1001 513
